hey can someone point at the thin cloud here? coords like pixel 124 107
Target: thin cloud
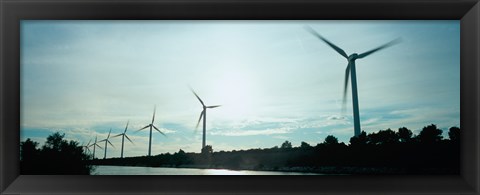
pixel 283 130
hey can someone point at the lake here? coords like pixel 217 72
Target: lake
pixel 127 170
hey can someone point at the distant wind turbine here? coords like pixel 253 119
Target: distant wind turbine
pixel 151 126
pixel 204 115
pixel 124 135
pixel 107 141
pixel 351 68
pixel 95 144
pixel 86 146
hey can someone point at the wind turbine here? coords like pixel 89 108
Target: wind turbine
pixel 124 135
pixel 87 149
pixel 204 115
pixel 151 126
pixel 351 69
pixel 107 141
pixel 94 146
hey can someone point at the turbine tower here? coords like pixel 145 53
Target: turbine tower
pixel 351 70
pixel 107 141
pixel 151 126
pixel 204 115
pixel 94 146
pixel 124 135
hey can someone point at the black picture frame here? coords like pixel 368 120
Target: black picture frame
pixel 12 11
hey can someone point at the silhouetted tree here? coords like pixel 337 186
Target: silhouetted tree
pixel 208 149
pixel 404 135
pixel 181 157
pixel 382 137
pixel 286 145
pixel 362 139
pixel 305 145
pixel 57 156
pixel 28 150
pixel 28 156
pixel 454 134
pixel 54 141
pixel 330 140
pixel 430 134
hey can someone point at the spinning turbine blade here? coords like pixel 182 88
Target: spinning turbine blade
pixel 109 133
pixel 197 97
pixel 117 135
pixel 143 128
pixel 110 143
pixel 336 48
pixel 199 119
pixel 362 55
pixel 214 106
pixel 128 139
pixel 153 118
pixel 159 130
pixel 126 127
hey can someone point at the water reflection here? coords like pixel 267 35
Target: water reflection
pixel 223 172
pixel 125 170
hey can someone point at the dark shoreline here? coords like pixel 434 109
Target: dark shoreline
pixel 383 153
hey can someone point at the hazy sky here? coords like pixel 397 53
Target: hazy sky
pixel 274 80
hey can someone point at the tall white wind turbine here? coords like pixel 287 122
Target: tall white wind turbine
pixel 87 146
pixel 203 115
pixel 124 135
pixel 95 144
pixel 107 141
pixel 151 126
pixel 351 69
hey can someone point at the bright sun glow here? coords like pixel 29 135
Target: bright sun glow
pixel 235 92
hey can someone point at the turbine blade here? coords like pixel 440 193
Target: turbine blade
pixel 362 55
pixel 117 135
pixel 159 130
pixel 99 146
pixel 128 139
pixel 126 127
pixel 154 109
pixel 143 128
pixel 199 119
pixel 109 133
pixel 197 97
pixel 214 106
pixel 110 143
pixel 89 142
pixel 336 48
pixel 345 86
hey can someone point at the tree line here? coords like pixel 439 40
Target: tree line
pixel 56 157
pixel 382 152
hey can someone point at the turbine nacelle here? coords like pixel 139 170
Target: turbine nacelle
pixel 352 57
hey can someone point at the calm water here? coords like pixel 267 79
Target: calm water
pixel 125 170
